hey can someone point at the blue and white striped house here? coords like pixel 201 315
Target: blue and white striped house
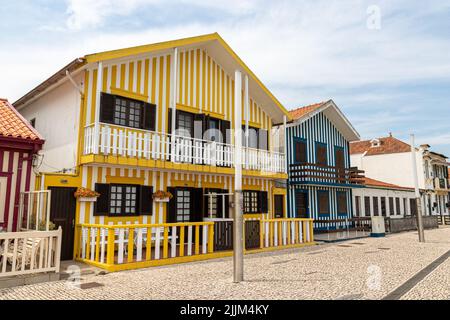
pixel 320 178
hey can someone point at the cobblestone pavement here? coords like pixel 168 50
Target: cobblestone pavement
pixel 358 269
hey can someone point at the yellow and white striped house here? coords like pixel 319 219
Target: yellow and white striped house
pixel 148 129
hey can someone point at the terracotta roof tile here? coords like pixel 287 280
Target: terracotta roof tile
pixel 300 112
pixel 377 183
pixel 387 145
pixel 12 124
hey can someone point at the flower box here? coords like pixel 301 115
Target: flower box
pixel 167 199
pixel 87 199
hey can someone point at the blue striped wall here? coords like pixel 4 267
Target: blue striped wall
pixel 318 129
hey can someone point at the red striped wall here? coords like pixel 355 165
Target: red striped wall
pixel 16 176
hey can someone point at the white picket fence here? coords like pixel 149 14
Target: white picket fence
pixel 30 252
pixel 122 141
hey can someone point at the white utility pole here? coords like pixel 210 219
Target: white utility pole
pixel 238 226
pixel 416 186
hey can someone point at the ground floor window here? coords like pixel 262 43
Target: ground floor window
pixel 383 206
pixel 367 206
pixel 323 199
pixel 375 206
pixel 342 202
pixel 413 206
pixel 250 201
pixel 357 206
pixel 397 206
pixel 183 205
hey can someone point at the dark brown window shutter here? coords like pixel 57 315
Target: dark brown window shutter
pixel 225 127
pixel 149 116
pixel 263 139
pixel 340 159
pixel 107 108
pixel 169 124
pixel 172 206
pixel 263 205
pixel 342 202
pixel 324 202
pixel 196 205
pixel 321 152
pixel 146 200
pixel 300 151
pixel 101 207
pixel 199 126
pixel 206 203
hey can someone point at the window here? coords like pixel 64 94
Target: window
pixel 375 206
pixel 256 202
pixel 339 157
pixel 257 138
pixel 127 112
pixel 321 154
pixel 250 201
pixel 383 206
pixel 358 206
pixel 33 122
pixel 300 150
pixel 397 206
pixel 323 202
pixel 183 205
pixel 413 206
pixel 185 124
pixel 342 202
pixel 367 210
pixel 391 206
pixel 123 199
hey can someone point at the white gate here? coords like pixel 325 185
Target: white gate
pixel 34 210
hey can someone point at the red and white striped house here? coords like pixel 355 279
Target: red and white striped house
pixel 19 141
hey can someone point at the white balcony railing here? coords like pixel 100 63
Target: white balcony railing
pixel 116 140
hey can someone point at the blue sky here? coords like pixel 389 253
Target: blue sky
pixel 390 74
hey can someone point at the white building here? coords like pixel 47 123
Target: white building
pixel 379 198
pixel 389 159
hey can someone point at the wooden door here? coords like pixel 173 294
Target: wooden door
pixel 301 204
pixel 62 214
pixel 279 206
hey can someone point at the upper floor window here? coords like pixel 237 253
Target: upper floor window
pixel 127 112
pixel 339 157
pixel 300 149
pixel 321 154
pixel 257 138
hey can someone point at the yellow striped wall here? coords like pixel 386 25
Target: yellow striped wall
pixel 203 87
pixel 160 180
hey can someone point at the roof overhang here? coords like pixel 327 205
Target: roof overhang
pixel 334 113
pixel 213 43
pixel 50 82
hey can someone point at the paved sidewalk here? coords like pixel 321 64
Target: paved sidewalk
pixel 357 269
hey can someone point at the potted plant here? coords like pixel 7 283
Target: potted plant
pixel 86 195
pixel 162 196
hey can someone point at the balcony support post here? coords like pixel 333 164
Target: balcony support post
pixel 238 226
pixel 97 107
pixel 285 143
pixel 174 100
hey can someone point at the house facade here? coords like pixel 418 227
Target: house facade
pixel 19 143
pixel 157 119
pixel 379 198
pixel 389 159
pixel 320 177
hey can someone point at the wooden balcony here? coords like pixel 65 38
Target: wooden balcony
pixel 117 141
pixel 321 174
